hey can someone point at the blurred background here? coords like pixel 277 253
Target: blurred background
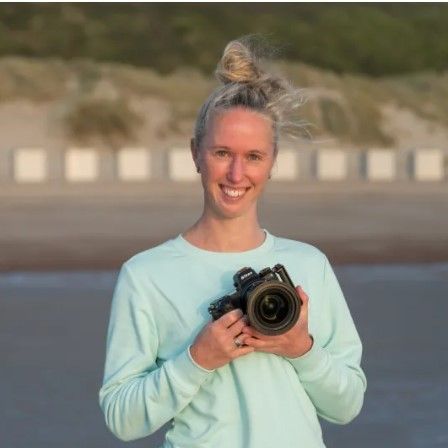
pixel 97 106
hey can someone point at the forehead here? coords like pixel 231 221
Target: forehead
pixel 240 126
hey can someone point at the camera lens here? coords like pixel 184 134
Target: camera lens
pixel 273 308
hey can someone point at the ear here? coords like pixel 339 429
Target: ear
pixel 194 152
pixel 193 148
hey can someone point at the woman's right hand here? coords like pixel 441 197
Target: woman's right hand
pixel 215 344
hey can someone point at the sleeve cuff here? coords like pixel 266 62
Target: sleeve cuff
pixel 196 364
pixel 187 373
pixel 312 364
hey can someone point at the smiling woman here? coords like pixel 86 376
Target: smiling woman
pixel 235 160
pixel 222 382
pixel 235 145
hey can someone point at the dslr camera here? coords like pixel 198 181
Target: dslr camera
pixel 268 299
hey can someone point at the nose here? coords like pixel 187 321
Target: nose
pixel 235 172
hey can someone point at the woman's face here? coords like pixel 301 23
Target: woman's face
pixel 235 160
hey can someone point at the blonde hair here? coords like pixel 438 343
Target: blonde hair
pixel 246 84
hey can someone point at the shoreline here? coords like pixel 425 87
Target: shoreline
pixel 67 258
pixel 91 229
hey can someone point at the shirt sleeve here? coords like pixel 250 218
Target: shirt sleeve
pixel 138 396
pixel 331 374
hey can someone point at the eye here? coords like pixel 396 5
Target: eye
pixel 254 156
pixel 222 153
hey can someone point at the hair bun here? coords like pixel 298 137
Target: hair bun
pixel 249 83
pixel 238 64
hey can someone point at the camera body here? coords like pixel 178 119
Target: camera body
pixel 268 299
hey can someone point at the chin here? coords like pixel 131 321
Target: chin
pixel 226 212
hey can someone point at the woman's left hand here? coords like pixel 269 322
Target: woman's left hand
pixel 292 344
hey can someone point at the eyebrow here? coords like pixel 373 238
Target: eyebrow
pixel 226 147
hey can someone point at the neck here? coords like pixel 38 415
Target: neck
pixel 225 235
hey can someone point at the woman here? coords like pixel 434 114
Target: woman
pixel 222 383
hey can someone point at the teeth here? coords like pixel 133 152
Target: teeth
pixel 233 193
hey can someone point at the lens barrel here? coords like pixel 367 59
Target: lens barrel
pixel 272 307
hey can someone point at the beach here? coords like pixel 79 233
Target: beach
pixel 53 338
pixel 99 227
pixel 60 251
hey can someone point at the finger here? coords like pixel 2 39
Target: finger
pixel 258 344
pixel 237 327
pixel 266 341
pixel 239 340
pixel 302 294
pixel 305 302
pixel 251 331
pixel 243 351
pixel 229 318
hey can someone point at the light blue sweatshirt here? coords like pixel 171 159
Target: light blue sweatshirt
pixel 259 400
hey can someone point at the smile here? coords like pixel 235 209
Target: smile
pixel 233 192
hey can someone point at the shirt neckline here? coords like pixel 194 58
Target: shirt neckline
pixel 186 246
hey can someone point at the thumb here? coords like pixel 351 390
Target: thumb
pixel 302 294
pixel 304 298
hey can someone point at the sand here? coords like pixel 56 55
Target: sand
pixel 99 227
pixel 53 337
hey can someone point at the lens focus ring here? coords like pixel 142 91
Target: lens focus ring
pixel 273 307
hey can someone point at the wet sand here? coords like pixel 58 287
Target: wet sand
pixel 52 346
pixel 99 227
pixel 53 326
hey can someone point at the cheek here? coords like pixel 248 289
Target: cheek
pixel 260 175
pixel 214 171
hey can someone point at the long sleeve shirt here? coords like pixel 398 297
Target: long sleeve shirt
pixel 259 400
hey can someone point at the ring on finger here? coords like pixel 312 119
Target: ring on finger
pixel 237 343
